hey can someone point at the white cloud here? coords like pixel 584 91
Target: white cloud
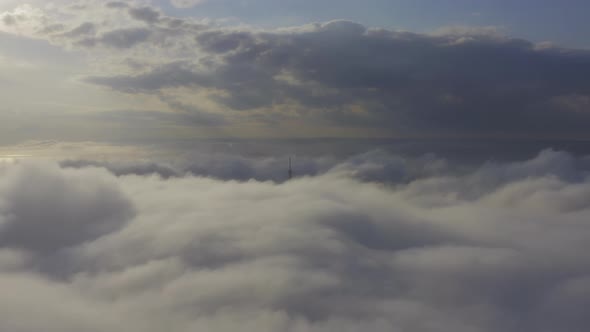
pixel 83 210
pixel 325 253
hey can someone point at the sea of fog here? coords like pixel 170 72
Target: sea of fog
pixel 369 235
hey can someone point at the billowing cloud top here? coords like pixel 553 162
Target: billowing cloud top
pixel 497 248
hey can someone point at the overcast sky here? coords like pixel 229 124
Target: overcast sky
pixel 160 70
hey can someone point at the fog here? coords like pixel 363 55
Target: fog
pixel 374 242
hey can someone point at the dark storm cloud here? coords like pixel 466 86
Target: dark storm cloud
pixel 471 82
pixel 325 253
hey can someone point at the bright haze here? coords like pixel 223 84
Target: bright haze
pixel 439 153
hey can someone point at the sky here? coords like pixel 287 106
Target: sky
pixel 562 22
pixel 169 70
pixel 439 153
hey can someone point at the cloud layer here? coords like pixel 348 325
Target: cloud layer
pixel 338 74
pixel 341 72
pixel 186 3
pixel 494 249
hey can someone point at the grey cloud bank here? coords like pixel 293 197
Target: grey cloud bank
pixel 388 163
pixel 342 72
pixel 494 249
pixel 337 75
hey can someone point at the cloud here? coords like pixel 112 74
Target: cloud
pixel 186 3
pixel 226 164
pixel 125 38
pixel 337 75
pixel 36 219
pixel 242 162
pixel 466 80
pixel 23 19
pixel 146 14
pixel 9 19
pixel 324 253
pixel 186 115
pixel 171 75
pixel 116 4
